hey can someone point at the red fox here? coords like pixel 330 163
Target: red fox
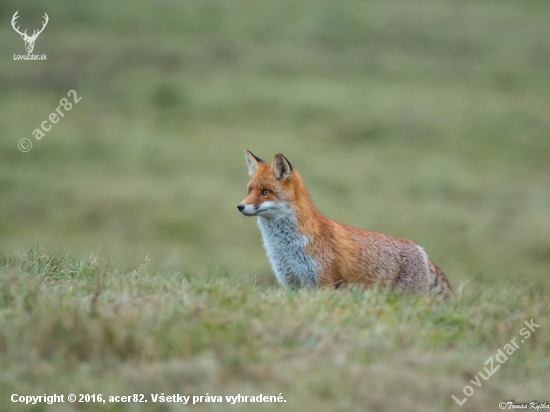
pixel 307 249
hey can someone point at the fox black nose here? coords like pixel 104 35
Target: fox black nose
pixel 240 207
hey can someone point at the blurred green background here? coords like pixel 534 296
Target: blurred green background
pixel 425 119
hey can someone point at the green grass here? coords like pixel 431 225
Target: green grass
pixel 424 119
pixel 90 326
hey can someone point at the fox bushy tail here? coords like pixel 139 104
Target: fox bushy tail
pixel 439 285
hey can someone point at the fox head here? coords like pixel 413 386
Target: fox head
pixel 271 190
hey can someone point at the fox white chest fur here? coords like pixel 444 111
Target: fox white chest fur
pixel 285 245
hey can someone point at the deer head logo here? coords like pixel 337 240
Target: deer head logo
pixel 29 40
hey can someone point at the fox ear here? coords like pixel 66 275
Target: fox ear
pixel 252 161
pixel 281 167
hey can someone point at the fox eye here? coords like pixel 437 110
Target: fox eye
pixel 265 192
pixel 249 190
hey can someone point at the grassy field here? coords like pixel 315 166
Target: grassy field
pixel 88 326
pixel 424 119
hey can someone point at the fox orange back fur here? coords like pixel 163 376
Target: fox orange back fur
pixel 307 249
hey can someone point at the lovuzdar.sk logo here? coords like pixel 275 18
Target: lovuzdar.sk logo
pixel 29 40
